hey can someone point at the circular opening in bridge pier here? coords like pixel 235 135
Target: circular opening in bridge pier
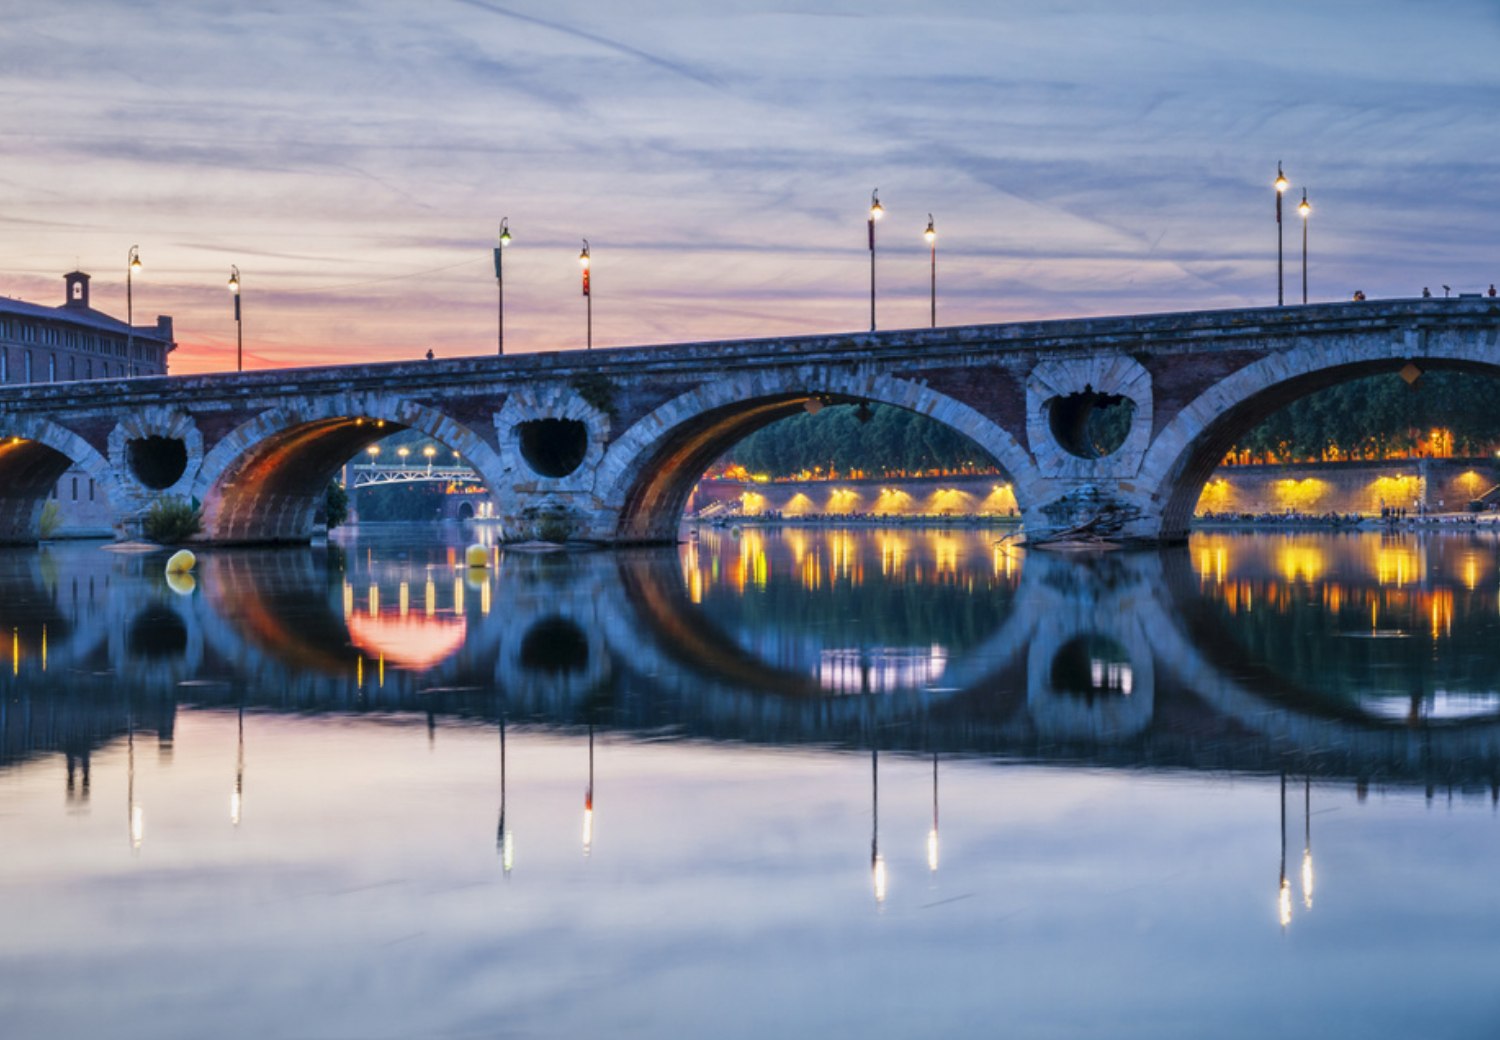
pixel 1092 666
pixel 556 646
pixel 553 447
pixel 157 633
pixel 1090 425
pixel 157 462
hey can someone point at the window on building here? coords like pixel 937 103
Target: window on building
pixel 72 367
pixel 4 365
pixel 88 368
pixel 28 366
pixel 91 489
pixel 51 368
pixel 75 489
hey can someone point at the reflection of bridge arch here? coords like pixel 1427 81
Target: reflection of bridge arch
pixel 647 474
pixel 264 481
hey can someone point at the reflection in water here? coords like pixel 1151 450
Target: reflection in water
pixel 737 685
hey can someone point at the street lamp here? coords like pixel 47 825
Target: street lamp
pixel 374 452
pixel 403 452
pixel 931 235
pixel 132 265
pixel 239 328
pixel 876 212
pixel 429 451
pixel 583 261
pixel 500 281
pixel 1303 209
pixel 1281 186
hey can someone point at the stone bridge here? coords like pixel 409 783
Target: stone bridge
pixel 606 445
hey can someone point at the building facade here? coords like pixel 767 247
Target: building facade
pixel 41 344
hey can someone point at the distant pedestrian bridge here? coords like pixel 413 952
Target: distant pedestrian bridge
pixel 606 445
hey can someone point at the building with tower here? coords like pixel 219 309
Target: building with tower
pixel 41 344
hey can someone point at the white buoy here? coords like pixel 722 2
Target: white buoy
pixel 181 562
pixel 477 556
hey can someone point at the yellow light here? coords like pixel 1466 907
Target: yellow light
pixel 504 233
pixel 135 261
pixel 137 826
pixel 403 452
pixel 508 853
pixel 876 209
pixel 1284 903
pixel 429 451
pixel 373 450
pixel 932 849
pixel 583 258
pixel 1304 207
pixel 931 233
pixel 588 830
pixel 1281 182
pixel 877 872
pixel 234 279
pixel 1307 878
pixel 234 808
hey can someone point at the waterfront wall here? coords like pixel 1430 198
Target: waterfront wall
pixel 1431 485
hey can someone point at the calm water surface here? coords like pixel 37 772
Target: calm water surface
pixel 803 782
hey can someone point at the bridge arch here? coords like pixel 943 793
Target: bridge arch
pixel 1186 452
pixel 34 454
pixel 646 475
pixel 264 481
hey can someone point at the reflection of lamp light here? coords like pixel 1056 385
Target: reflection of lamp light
pixel 1284 889
pixel 1307 864
pixel 237 795
pixel 588 800
pixel 503 838
pixel 135 815
pixel 932 835
pixel 877 861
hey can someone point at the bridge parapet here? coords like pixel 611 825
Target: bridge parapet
pixel 606 444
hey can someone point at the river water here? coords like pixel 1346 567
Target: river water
pixel 864 783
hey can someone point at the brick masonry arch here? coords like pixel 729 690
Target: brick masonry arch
pixel 1184 455
pixel 264 480
pixel 34 453
pixel 645 476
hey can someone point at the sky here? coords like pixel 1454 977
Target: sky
pixel 1081 157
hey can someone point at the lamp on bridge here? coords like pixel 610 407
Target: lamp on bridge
pixel 132 265
pixel 239 328
pixel 584 262
pixel 374 452
pixel 429 451
pixel 403 452
pixel 1304 210
pixel 500 281
pixel 931 236
pixel 876 212
pixel 1281 185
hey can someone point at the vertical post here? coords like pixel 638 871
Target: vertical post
pixel 875 214
pixel 1281 186
pixel 239 328
pixel 931 235
pixel 585 261
pixel 1304 210
pixel 500 283
pixel 132 261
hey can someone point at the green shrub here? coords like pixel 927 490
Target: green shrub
pixel 335 505
pixel 171 520
pixel 51 519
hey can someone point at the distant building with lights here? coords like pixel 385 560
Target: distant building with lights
pixel 41 344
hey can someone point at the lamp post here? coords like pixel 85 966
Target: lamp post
pixel 402 453
pixel 1303 209
pixel 583 261
pixel 931 235
pixel 132 265
pixel 500 280
pixel 876 212
pixel 239 328
pixel 374 452
pixel 429 451
pixel 1281 185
